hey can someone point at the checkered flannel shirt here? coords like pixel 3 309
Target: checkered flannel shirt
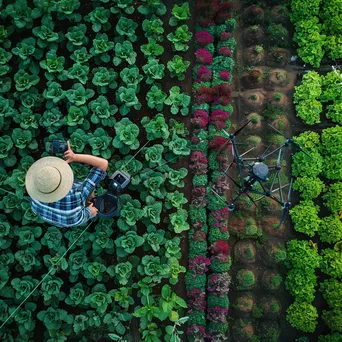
pixel 70 210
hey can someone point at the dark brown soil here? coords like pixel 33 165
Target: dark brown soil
pixel 253 15
pixel 278 57
pixel 245 252
pixel 253 35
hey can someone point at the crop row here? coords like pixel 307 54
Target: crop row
pixel 207 279
pixel 317 30
pixel 103 277
pixel 318 180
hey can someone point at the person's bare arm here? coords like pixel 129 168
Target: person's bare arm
pixel 98 162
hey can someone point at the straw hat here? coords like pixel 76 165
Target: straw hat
pixel 49 179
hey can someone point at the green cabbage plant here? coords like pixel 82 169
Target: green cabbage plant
pixel 179 14
pixel 152 7
pixel 126 244
pixel 126 138
pixel 126 29
pixel 53 94
pixel 152 49
pixel 22 15
pixel 101 47
pixel 77 37
pixel 122 6
pixel 130 213
pixel 46 35
pixel 124 52
pixel 24 80
pixel 153 29
pixel 178 101
pixel 52 120
pixel 178 221
pixel 152 211
pixel 80 56
pixel 100 142
pixel 178 67
pixel 156 97
pixel 53 64
pixel 76 295
pixel 153 70
pixel 53 318
pixel 99 18
pixel 102 111
pixel 180 37
pixel 104 79
pixel 156 127
pixel 79 72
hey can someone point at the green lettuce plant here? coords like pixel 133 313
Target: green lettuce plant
pixel 53 93
pixel 77 37
pixel 175 200
pixel 154 238
pixel 101 47
pixel 172 248
pixel 175 270
pixel 76 295
pixel 307 165
pixel 332 319
pixel 126 136
pixel 102 111
pixel 152 49
pixel 94 272
pixel 131 77
pixel 178 221
pixel 331 262
pixel 132 166
pixel 156 98
pixel 102 240
pixel 152 7
pixel 154 154
pixel 178 101
pixel 178 146
pixel 153 70
pixel 77 71
pixel 22 15
pixel 126 244
pixel 24 80
pixel 170 302
pixel 100 142
pixel 156 127
pixel 153 182
pixel 116 321
pixel 121 272
pixel 120 6
pixel 46 35
pixel 53 64
pixel 27 237
pixel 126 29
pixel 99 18
pixel 308 187
pixel 180 37
pixel 76 262
pixel 124 52
pixel 309 111
pixel 152 210
pixel 53 318
pixel 178 67
pixel 305 217
pixel 104 78
pixel 52 120
pixel 28 259
pixel 176 177
pixel 333 197
pixel 153 29
pixel 78 95
pixel 66 9
pixel 6 233
pixel 76 116
pixel 302 316
pixel 179 14
pixel 51 290
pixel 130 213
pixel 10 205
pixel 330 229
pixel 23 139
pixel 6 145
pixel 5 84
pixel 153 267
pixel 80 56
pixel 122 297
pixel 331 290
pixel 27 119
pixel 5 57
pixel 52 238
pixel 23 286
pixel 24 318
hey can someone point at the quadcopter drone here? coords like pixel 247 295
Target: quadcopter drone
pixel 255 177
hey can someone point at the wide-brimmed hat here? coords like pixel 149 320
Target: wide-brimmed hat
pixel 49 179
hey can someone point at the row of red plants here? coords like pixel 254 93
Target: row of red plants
pixel 208 279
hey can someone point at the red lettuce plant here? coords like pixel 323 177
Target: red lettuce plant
pixel 203 38
pixel 221 185
pixel 199 265
pixel 196 300
pixel 222 94
pixel 198 197
pixel 217 143
pixel 219 247
pixel 197 333
pixel 204 74
pixel 225 51
pixel 198 163
pixel 217 314
pixel 201 118
pixel 218 284
pixel 219 219
pixel 224 75
pixel 204 95
pixel 223 162
pixel 198 235
pixel 225 36
pixel 218 118
pixel 204 56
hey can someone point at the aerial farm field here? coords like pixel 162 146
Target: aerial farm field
pixel 226 115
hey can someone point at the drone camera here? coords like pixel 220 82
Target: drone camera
pixel 58 146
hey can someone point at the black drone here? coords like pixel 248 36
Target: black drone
pixel 255 177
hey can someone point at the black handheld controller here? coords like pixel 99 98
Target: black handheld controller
pixel 58 146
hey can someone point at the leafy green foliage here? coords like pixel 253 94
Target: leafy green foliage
pixel 101 47
pixel 124 52
pixel 99 18
pixel 126 244
pixel 77 37
pixel 331 262
pixel 305 217
pixel 153 29
pixel 152 49
pixel 331 290
pixel 178 67
pixel 126 136
pixel 178 221
pixel 126 28
pixel 180 37
pixel 153 70
pixel 330 229
pixel 24 80
pixel 152 7
pixel 104 78
pixel 178 101
pixel 302 316
pixel 333 197
pixel 102 111
pixel 308 187
pixel 179 14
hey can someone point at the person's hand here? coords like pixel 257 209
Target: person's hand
pixel 93 209
pixel 69 155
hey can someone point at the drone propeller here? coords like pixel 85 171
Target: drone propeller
pixel 238 131
pixel 290 141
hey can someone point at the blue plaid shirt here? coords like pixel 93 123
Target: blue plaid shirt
pixel 70 210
